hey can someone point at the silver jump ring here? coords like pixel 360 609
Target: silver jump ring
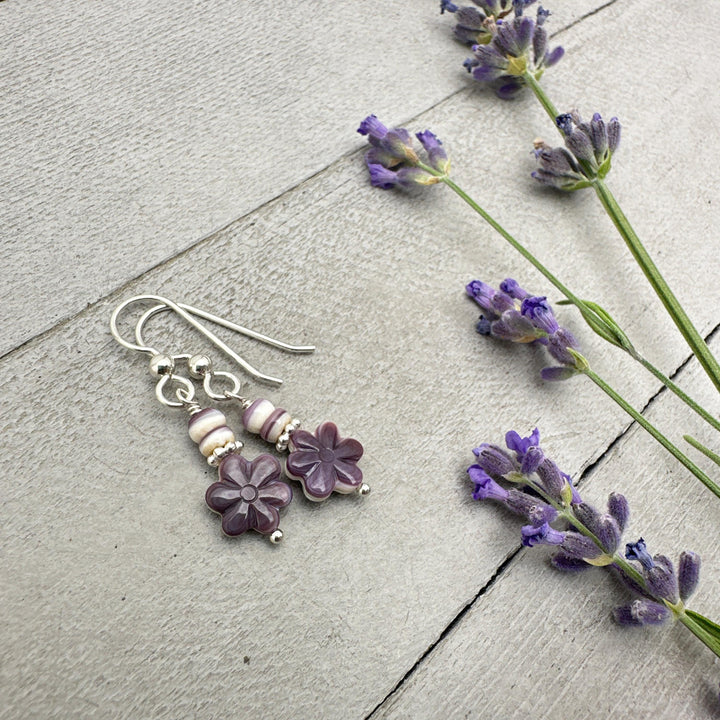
pixel 207 385
pixel 187 389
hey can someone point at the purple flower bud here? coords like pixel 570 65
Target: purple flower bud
pixel 514 327
pixel 554 374
pixel 618 507
pixel 565 123
pixel 484 326
pixel 530 507
pixel 551 478
pixel 661 580
pixel 502 301
pixel 688 573
pixel 541 535
pixel 613 132
pixel 531 461
pixel 603 526
pixel 433 147
pixel 554 56
pixel 392 160
pixel 558 344
pixel 512 288
pixel 638 551
pixel 381 177
pixel 485 487
pixel 579 546
pixel 520 445
pixel 372 127
pixel 542 15
pixel 641 612
pixel 540 39
pixel 591 144
pixel 538 310
pixel 509 89
pixel 494 461
pixel 567 563
pixel 447 5
pixel 580 145
pixel 599 137
pixel 482 294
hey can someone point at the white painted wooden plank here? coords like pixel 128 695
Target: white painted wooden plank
pixel 542 643
pixel 330 621
pixel 131 130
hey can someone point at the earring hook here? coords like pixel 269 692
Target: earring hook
pixel 186 312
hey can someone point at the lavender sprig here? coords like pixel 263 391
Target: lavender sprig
pixel 392 160
pixel 584 536
pixel 505 50
pixel 588 150
pixel 511 313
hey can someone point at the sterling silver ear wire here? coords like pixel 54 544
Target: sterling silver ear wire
pixel 249 493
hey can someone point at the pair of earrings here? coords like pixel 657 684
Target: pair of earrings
pixel 249 493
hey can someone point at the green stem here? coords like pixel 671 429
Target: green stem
pixel 642 421
pixel 704 450
pixel 670 385
pixel 544 100
pixel 697 629
pixel 574 299
pixel 672 305
pixel 647 265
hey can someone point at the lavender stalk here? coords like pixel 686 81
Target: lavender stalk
pixel 545 497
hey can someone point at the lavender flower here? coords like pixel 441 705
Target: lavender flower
pixel 590 146
pixel 476 24
pixel 511 313
pixel 543 495
pixel 688 573
pixel 392 160
pixel 523 463
pixel 508 49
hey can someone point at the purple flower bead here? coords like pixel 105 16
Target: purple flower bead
pixel 324 462
pixel 249 494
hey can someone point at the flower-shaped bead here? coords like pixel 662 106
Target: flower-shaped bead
pixel 249 494
pixel 324 462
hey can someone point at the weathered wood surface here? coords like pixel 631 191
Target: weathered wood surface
pixel 131 131
pixel 120 596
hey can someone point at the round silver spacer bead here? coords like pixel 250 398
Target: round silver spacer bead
pixel 363 490
pixel 282 442
pixel 162 365
pixel 199 365
pixel 276 537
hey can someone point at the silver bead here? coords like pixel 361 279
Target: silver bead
pixel 162 365
pixel 293 425
pixel 276 537
pixel 363 490
pixel 199 365
pixel 282 442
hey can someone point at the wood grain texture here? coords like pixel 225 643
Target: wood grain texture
pixel 120 596
pixel 132 130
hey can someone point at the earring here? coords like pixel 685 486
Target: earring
pixel 248 494
pixel 323 462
